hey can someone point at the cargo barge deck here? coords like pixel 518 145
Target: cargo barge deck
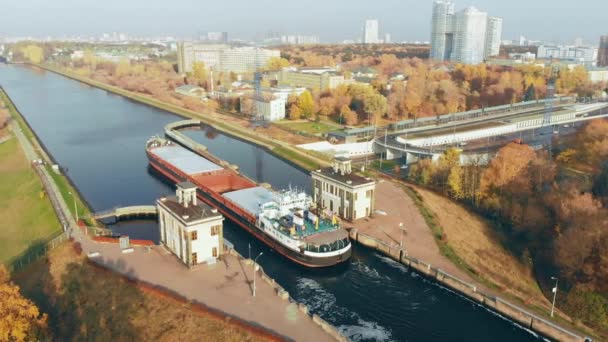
pixel 285 221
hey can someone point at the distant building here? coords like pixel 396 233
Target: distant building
pixel 299 40
pixel 221 57
pixel 387 38
pixel 272 109
pixel 582 55
pixel 602 56
pixel 340 191
pixel 468 36
pixel 216 37
pixel 598 74
pixel 493 36
pixel 190 230
pixel 190 90
pixel 311 78
pixel 371 32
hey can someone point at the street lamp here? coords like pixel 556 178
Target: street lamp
pixel 75 208
pixel 255 261
pixel 554 290
pixel 402 229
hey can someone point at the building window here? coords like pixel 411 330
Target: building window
pixel 214 251
pixel 194 235
pixel 194 259
pixel 356 196
pixel 368 193
pixel 215 230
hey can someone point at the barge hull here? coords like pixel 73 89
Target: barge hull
pixel 247 222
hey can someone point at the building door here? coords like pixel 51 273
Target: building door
pixel 194 258
pixel 214 251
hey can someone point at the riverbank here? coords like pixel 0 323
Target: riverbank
pixel 426 248
pixel 37 150
pixel 277 313
pixel 301 158
pixel 24 206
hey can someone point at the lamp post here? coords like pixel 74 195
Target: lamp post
pixel 402 229
pixel 554 290
pixel 255 262
pixel 75 208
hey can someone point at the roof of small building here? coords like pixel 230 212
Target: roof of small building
pixel 353 178
pixel 188 88
pixel 192 213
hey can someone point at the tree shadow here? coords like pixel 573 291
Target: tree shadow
pixel 89 303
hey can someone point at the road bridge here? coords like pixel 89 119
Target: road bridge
pixel 413 146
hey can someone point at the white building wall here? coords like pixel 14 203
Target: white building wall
pixel 205 242
pixel 442 11
pixel 470 27
pixel 371 32
pixel 272 110
pixel 493 36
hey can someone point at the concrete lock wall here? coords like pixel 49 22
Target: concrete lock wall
pixel 511 311
pixel 284 295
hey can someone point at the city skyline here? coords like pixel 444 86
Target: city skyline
pixel 332 22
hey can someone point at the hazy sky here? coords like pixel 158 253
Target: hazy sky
pixel 332 20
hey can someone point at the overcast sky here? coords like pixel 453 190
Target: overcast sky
pixel 332 20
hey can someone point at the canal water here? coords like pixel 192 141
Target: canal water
pixel 99 138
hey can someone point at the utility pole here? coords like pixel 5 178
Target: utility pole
pixel 554 290
pixel 255 263
pixel 401 240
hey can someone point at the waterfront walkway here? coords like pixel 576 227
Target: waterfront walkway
pixel 417 237
pixel 225 286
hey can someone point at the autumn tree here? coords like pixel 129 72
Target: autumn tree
pixel 306 104
pixel 123 68
pixel 199 72
pixel 20 319
pixel 348 116
pixel 294 112
pixel 33 53
pixel 277 63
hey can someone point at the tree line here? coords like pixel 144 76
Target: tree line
pixel 554 207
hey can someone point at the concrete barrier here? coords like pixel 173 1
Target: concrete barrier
pixel 284 295
pixel 496 304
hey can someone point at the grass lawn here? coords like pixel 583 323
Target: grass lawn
pixel 27 219
pixel 307 127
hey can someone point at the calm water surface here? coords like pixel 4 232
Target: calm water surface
pixel 99 137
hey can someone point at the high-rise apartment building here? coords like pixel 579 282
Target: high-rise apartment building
pixel 493 36
pixel 442 37
pixel 221 57
pixel 468 36
pixel 602 54
pixel 371 32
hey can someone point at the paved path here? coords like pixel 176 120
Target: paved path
pixel 418 238
pixel 225 286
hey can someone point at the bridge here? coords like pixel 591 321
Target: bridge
pixel 132 211
pixel 474 137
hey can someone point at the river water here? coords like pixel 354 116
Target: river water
pixel 99 138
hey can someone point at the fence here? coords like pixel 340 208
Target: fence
pixel 497 304
pixel 35 252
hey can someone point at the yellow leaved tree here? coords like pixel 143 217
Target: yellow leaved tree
pixel 20 319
